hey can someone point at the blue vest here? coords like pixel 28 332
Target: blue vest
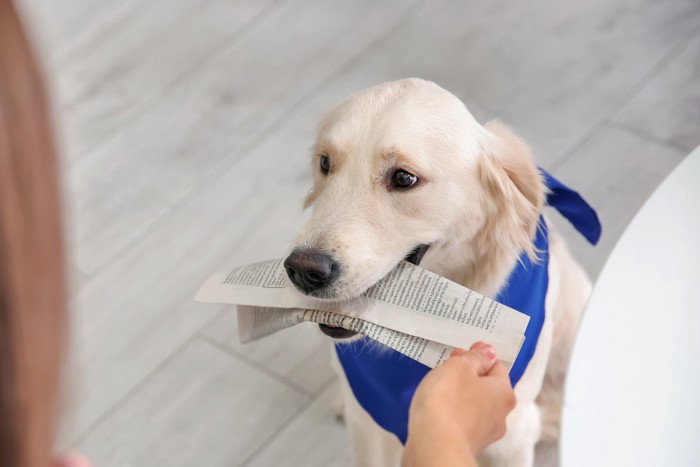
pixel 383 381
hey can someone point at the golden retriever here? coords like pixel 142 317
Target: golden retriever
pixel 403 170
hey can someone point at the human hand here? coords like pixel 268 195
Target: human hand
pixel 459 408
pixel 71 460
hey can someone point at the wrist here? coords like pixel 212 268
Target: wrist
pixel 444 447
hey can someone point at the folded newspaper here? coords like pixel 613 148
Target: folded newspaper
pixel 413 311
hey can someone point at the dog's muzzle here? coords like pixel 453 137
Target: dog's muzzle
pixel 336 332
pixel 416 255
pixel 311 271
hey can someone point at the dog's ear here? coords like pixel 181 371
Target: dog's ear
pixel 514 186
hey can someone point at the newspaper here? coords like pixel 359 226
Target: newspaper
pixel 412 310
pixel 256 322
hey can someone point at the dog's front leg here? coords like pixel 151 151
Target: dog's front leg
pixel 517 447
pixel 372 445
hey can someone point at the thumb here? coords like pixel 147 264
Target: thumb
pixel 484 349
pixel 480 356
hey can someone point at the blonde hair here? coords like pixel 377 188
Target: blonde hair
pixel 32 291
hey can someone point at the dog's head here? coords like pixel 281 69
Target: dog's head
pixel 401 167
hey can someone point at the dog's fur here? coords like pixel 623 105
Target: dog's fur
pixel 477 204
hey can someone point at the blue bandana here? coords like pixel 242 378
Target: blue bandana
pixel 383 382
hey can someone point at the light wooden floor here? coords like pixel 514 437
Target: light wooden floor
pixel 187 126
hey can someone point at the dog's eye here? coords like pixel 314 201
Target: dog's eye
pixel 403 179
pixel 325 164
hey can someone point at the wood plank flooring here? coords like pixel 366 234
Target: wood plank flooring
pixel 186 127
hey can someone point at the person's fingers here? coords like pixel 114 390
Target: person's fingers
pixel 72 460
pixel 486 350
pixel 477 345
pixel 479 360
pixel 498 370
pixel 501 383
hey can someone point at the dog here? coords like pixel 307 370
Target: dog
pixel 402 171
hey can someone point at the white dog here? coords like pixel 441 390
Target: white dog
pixel 401 167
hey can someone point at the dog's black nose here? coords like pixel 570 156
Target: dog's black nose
pixel 311 270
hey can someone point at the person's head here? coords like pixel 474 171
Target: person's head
pixel 32 292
